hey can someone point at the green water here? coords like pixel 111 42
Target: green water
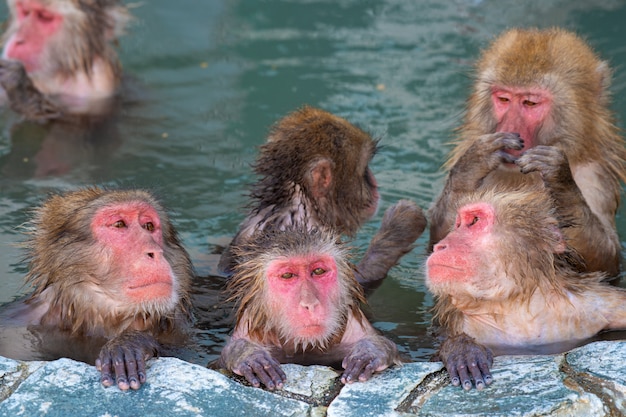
pixel 209 77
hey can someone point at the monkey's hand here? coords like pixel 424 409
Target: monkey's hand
pixel 24 98
pixel 126 356
pixel 466 360
pixel 551 162
pixel 253 362
pixel 367 356
pixel 486 154
pixel 402 224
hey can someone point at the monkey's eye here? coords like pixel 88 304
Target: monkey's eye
pixel 44 17
pixel 119 224
pixel 529 103
pixel 287 275
pixel 149 226
pixel 318 271
pixel 474 221
pixel 503 99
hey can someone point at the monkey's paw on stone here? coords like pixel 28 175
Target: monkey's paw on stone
pixel 465 361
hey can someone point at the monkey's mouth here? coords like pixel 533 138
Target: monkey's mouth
pixel 312 330
pixel 146 291
pixel 437 273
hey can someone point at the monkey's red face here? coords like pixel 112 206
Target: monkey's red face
pixel 302 291
pixel 521 110
pixel 131 234
pixel 35 26
pixel 461 262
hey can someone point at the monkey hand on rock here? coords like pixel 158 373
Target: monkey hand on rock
pixel 465 361
pixel 402 224
pixel 125 357
pixel 484 156
pixel 369 355
pixel 23 96
pixel 255 363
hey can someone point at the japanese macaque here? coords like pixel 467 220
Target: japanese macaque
pixel 107 265
pixel 300 303
pixel 58 56
pixel 507 281
pixel 314 173
pixel 551 90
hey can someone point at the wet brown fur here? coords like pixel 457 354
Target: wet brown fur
pixel 582 124
pixel 295 144
pixel 61 259
pixel 248 285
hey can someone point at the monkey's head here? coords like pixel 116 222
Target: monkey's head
pixel 324 157
pixel 63 37
pixel 502 245
pixel 97 253
pixel 547 85
pixel 296 288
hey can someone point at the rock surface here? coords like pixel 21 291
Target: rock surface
pixel 588 381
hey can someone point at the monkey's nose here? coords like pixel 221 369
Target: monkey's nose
pixel 154 254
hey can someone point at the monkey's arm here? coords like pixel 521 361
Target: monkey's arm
pixel 466 360
pixel 252 361
pixel 126 356
pixel 23 96
pixel 369 352
pixel 583 230
pixel 402 224
pixel 485 155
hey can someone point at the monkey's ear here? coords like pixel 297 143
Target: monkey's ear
pixel 320 177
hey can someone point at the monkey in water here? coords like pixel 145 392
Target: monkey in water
pixel 299 302
pixel 58 56
pixel 551 89
pixel 314 173
pixel 506 280
pixel 108 269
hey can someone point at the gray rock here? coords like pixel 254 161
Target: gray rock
pixel 69 388
pixel 381 395
pixel 600 367
pixel 523 386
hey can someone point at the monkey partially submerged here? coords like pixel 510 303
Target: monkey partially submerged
pixel 314 173
pixel 506 280
pixel 298 302
pixel 58 56
pixel 551 89
pixel 108 270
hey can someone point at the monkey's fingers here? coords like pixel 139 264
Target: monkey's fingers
pixel 141 367
pixel 549 160
pixel 104 366
pixel 119 366
pixel 369 370
pixel 132 361
pixel 256 374
pixel 275 374
pixel 353 368
pixel 481 374
pixel 246 371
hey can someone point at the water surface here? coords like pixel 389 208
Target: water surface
pixel 209 78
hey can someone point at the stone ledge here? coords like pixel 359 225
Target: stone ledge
pixel 588 381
